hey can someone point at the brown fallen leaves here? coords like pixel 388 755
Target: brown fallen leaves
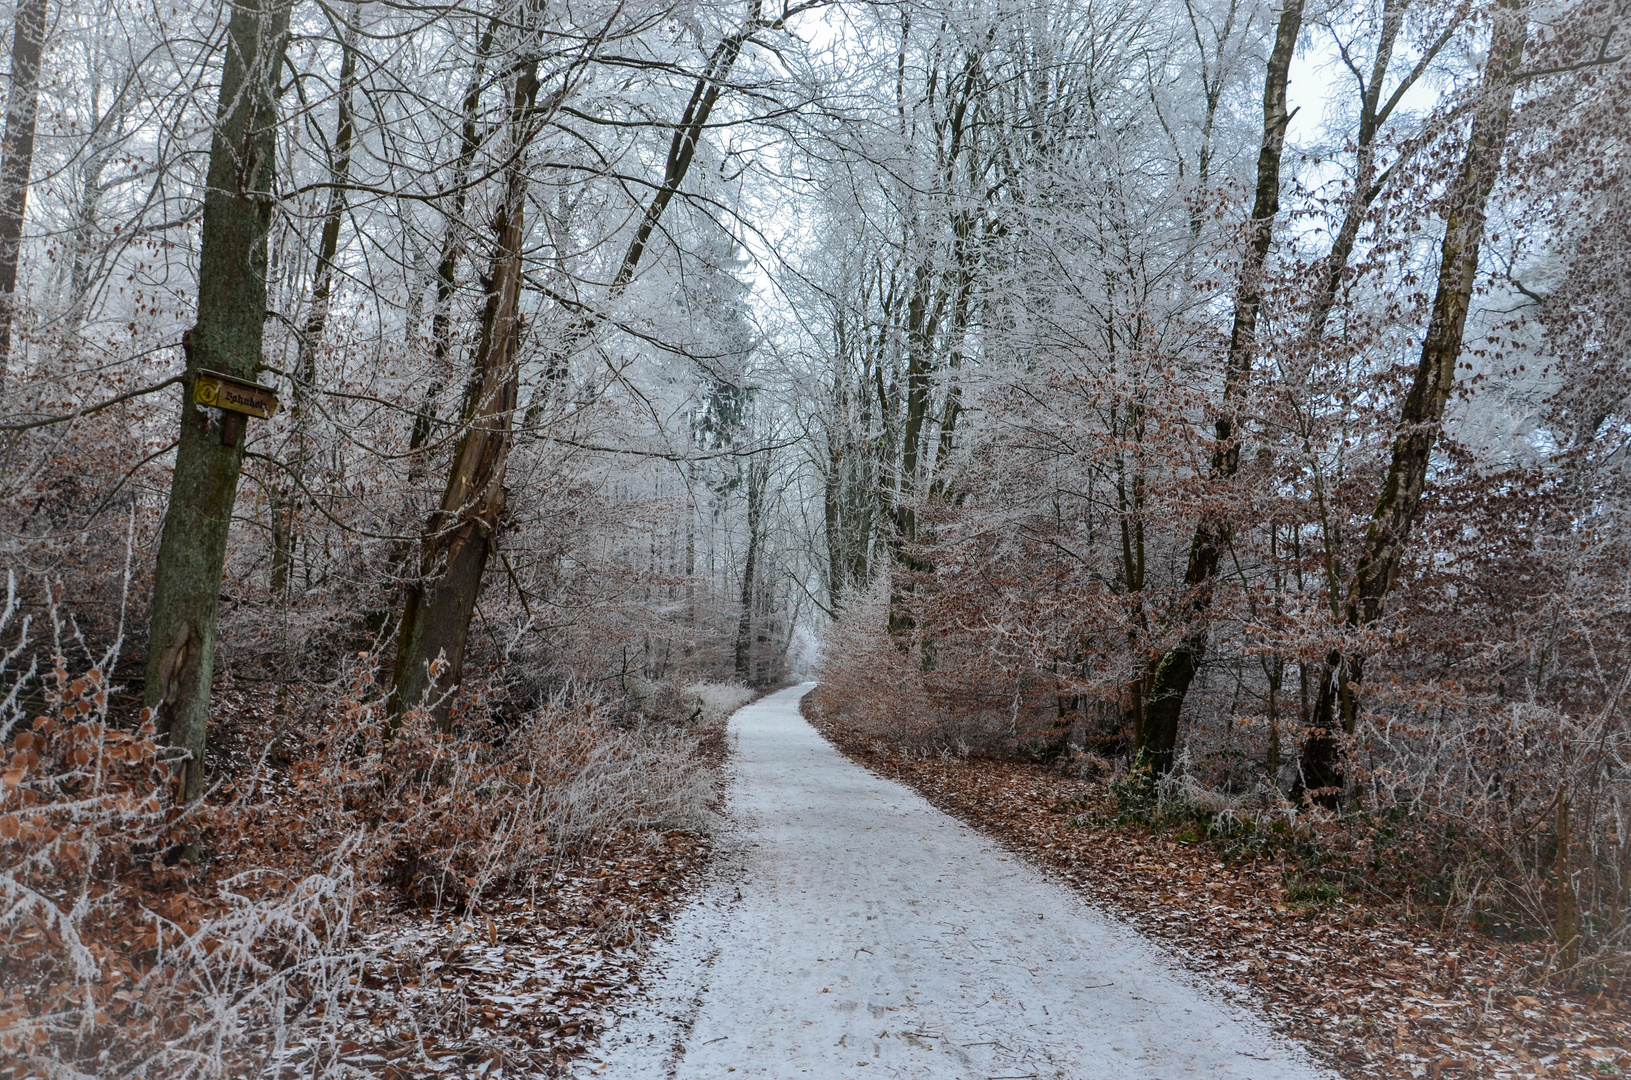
pixel 1374 991
pixel 393 901
pixel 518 989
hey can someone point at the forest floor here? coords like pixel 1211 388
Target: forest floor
pixel 522 987
pixel 515 986
pixel 1377 992
pixel 848 929
pixel 519 990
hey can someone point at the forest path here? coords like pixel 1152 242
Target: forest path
pixel 851 930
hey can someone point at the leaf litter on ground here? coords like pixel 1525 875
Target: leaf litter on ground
pixel 520 988
pixel 1376 992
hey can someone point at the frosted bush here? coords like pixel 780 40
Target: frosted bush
pixel 715 702
pixel 120 964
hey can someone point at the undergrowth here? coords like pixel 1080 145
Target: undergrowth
pixel 1434 867
pixel 123 959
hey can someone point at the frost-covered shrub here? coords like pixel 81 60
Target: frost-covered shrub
pixel 145 938
pixel 715 702
pixel 866 677
pixel 115 960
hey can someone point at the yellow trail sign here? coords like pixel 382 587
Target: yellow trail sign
pixel 224 392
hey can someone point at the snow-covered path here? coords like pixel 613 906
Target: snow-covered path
pixel 855 931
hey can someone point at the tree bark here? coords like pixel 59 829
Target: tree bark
pixel 462 534
pixel 17 157
pixel 227 338
pixel 682 150
pixel 744 625
pixel 1422 415
pixel 690 569
pixel 833 509
pixel 286 495
pixel 1566 927
pixel 687 136
pixel 471 137
pixel 1373 116
pixel 922 318
pixel 447 266
pixel 932 296
pixel 1157 738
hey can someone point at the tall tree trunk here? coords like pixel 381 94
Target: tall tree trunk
pixel 17 157
pixel 1169 685
pixel 471 137
pixel 99 155
pixel 744 625
pixel 682 151
pixel 931 298
pixel 286 494
pixel 1422 414
pixel 690 568
pixel 1373 116
pixel 687 136
pixel 920 333
pixel 833 508
pixel 462 533
pixel 447 266
pixel 227 338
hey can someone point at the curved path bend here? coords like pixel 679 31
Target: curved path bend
pixel 852 930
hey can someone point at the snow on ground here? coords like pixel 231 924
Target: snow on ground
pixel 853 931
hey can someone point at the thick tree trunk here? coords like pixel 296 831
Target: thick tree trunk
pixel 227 338
pixel 750 568
pixel 1422 414
pixel 17 157
pixel 462 533
pixel 1175 671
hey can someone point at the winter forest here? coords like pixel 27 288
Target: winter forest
pixel 424 424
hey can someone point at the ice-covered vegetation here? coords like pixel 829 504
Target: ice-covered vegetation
pixel 122 960
pixel 1223 397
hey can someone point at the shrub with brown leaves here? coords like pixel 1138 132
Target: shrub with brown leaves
pixel 125 956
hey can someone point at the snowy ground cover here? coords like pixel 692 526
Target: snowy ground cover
pixel 852 930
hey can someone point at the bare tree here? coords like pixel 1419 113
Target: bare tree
pixel 1420 418
pixel 17 157
pixel 1157 734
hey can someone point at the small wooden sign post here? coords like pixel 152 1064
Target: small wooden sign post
pixel 236 399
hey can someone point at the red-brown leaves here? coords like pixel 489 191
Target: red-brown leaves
pixel 1373 988
pixel 562 840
